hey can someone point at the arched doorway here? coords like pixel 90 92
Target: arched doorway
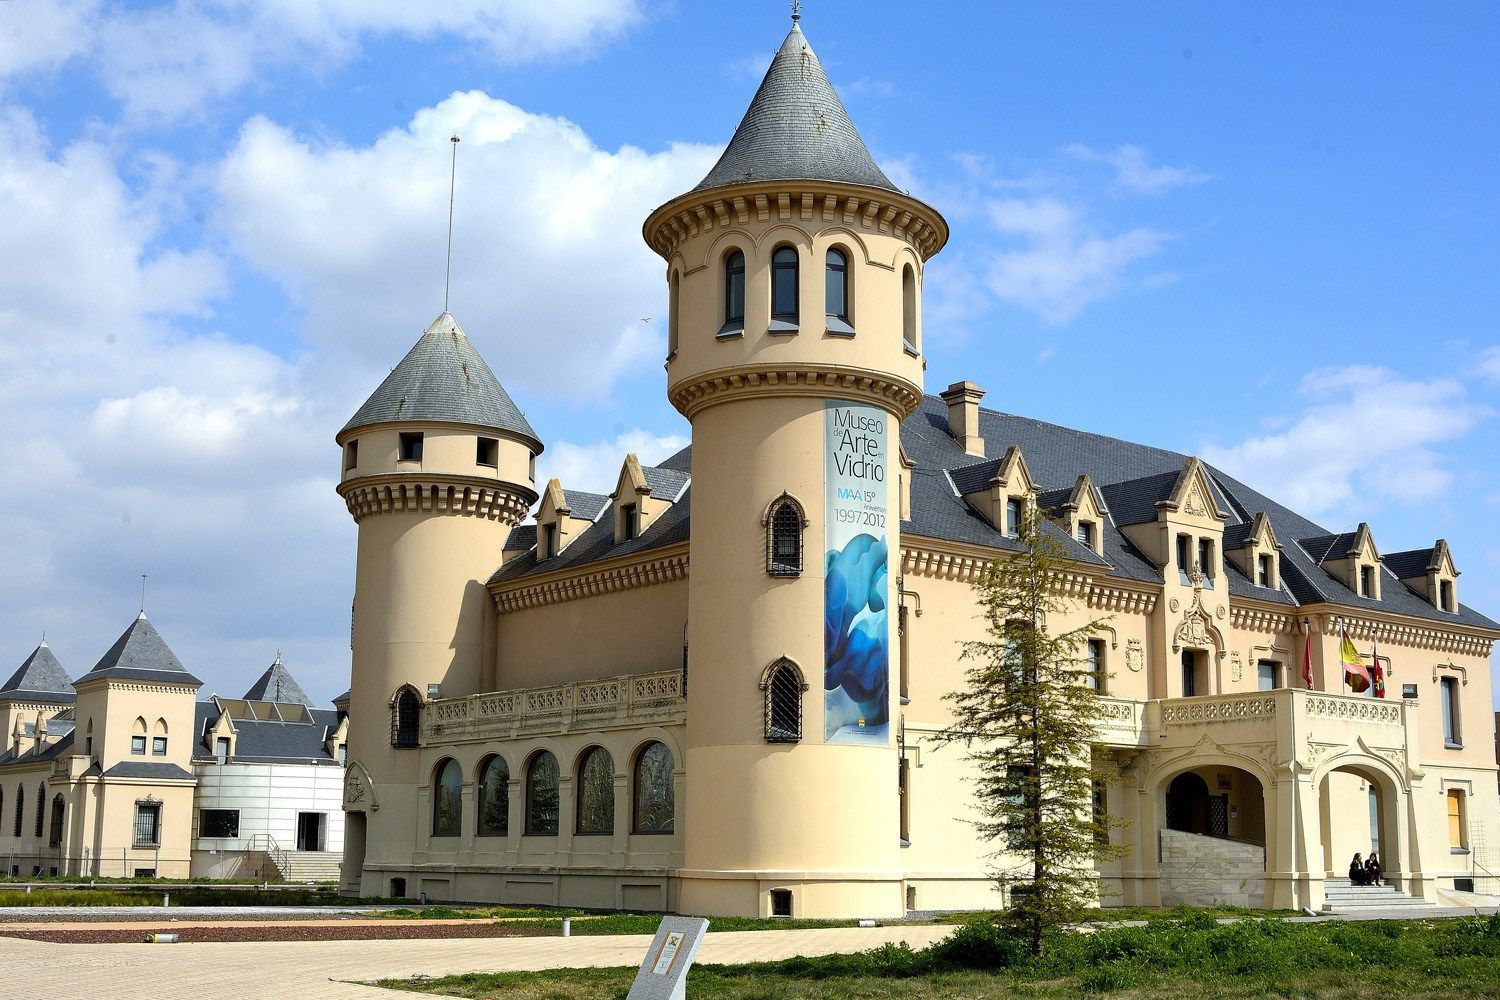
pixel 1188 804
pixel 1212 842
pixel 354 852
pixel 1357 804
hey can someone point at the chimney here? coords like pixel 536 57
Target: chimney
pixel 963 415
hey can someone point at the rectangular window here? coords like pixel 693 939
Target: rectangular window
pixel 1263 575
pixel 221 749
pixel 147 824
pixel 1095 678
pixel 1445 595
pixel 88 745
pixel 781 902
pixel 218 823
pixel 1367 581
pixel 1267 673
pixel 1189 673
pixel 343 754
pixel 411 446
pixel 627 522
pixel 1206 560
pixel 1101 811
pixel 351 456
pixel 1086 534
pixel 138 745
pixel 158 746
pixel 487 452
pixel 903 782
pixel 1458 834
pixel 145 873
pixel 1452 735
pixel 1016 814
pixel 1013 516
pixel 548 548
pixel 1184 556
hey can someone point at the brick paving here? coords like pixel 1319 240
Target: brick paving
pixel 323 970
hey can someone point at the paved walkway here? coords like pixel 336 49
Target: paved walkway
pixel 322 970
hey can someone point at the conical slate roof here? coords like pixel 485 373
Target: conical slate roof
pixel 796 129
pixel 277 684
pixel 40 679
pixel 443 378
pixel 140 654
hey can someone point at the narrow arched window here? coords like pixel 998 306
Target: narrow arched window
pixel 734 290
pixel 447 798
pixel 784 538
pixel 784 703
pixel 20 807
pixel 541 796
pixel 41 810
pixel 784 285
pixel 672 294
pixel 596 794
pixel 494 797
pixel 406 718
pixel 653 808
pixel 836 286
pixel 55 838
pixel 909 309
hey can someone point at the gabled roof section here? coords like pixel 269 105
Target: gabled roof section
pixel 140 654
pixel 1414 563
pixel 1134 501
pixel 796 128
pixel 443 379
pixel 978 477
pixel 277 684
pixel 41 678
pixel 1193 493
pixel 1330 548
pixel 1080 497
pixel 1237 536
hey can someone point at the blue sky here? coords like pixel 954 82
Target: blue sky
pixel 1263 234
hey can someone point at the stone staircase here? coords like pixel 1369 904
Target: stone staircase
pixel 1342 896
pixel 308 866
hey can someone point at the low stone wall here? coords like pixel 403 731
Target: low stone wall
pixel 1207 871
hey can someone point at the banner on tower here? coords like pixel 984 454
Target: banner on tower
pixel 856 623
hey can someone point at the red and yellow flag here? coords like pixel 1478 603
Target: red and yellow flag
pixel 1375 670
pixel 1356 674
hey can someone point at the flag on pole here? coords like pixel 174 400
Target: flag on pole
pixel 1375 671
pixel 1355 671
pixel 1307 677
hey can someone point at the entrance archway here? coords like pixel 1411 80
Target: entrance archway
pixel 1357 804
pixel 1212 841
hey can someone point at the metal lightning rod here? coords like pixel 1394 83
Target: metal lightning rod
pixel 452 182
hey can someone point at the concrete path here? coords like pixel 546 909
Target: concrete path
pixel 322 970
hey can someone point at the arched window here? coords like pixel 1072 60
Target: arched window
pixel 406 717
pixel 56 837
pixel 672 315
pixel 734 291
pixel 541 796
pixel 20 807
pixel 494 797
pixel 783 687
pixel 596 794
pixel 836 286
pixel 784 285
pixel 784 524
pixel 447 798
pixel 653 807
pixel 2 804
pixel 41 810
pixel 909 309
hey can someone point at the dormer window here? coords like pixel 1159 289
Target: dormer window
pixel 629 522
pixel 1206 560
pixel 1445 596
pixel 411 446
pixel 487 452
pixel 1013 514
pixel 548 547
pixel 1367 581
pixel 351 456
pixel 1086 534
pixel 1184 556
pixel 1265 572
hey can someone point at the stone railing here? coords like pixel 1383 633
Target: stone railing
pixel 1352 708
pixel 631 700
pixel 1123 722
pixel 1215 709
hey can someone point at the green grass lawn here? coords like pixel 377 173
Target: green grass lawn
pixel 1378 960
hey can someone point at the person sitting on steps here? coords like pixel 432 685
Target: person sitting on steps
pixel 1356 871
pixel 1373 873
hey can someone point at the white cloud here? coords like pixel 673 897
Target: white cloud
pixel 1062 263
pixel 550 274
pixel 166 59
pixel 1134 172
pixel 1364 434
pixel 1489 363
pixel 596 467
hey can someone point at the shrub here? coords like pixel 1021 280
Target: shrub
pixel 977 945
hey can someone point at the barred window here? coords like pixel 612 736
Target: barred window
pixel 541 796
pixel 596 794
pixel 147 824
pixel 494 797
pixel 783 688
pixel 406 718
pixel 654 807
pixel 447 799
pixel 784 525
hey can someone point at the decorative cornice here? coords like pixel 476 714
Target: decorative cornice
pixel 411 493
pixel 940 560
pixel 1260 618
pixel 873 209
pixel 1410 632
pixel 661 566
pixel 695 394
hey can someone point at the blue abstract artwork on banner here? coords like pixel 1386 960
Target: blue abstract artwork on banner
pixel 856 588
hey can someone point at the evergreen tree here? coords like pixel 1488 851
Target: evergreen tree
pixel 1027 718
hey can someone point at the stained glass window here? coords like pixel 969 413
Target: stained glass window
pixel 596 793
pixel 494 798
pixel 541 796
pixel 655 795
pixel 447 799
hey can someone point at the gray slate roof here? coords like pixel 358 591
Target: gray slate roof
pixel 585 505
pixel 41 678
pixel 47 752
pixel 145 769
pixel 140 654
pixel 1411 563
pixel 1326 547
pixel 1132 478
pixel 443 379
pixel 277 684
pixel 265 742
pixel 796 128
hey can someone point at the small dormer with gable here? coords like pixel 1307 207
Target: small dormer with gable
pixel 1080 512
pixel 1001 491
pixel 1351 558
pixel 1175 519
pixel 1254 549
pixel 1429 572
pixel 562 516
pixel 641 495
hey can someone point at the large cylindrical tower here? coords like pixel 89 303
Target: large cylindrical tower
pixel 795 274
pixel 438 466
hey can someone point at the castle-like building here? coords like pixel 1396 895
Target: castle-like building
pixel 718 689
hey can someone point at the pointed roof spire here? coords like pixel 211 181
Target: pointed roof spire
pixel 140 654
pixel 41 678
pixel 277 684
pixel 443 379
pixel 796 128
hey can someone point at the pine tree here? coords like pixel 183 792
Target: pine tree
pixel 1027 718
